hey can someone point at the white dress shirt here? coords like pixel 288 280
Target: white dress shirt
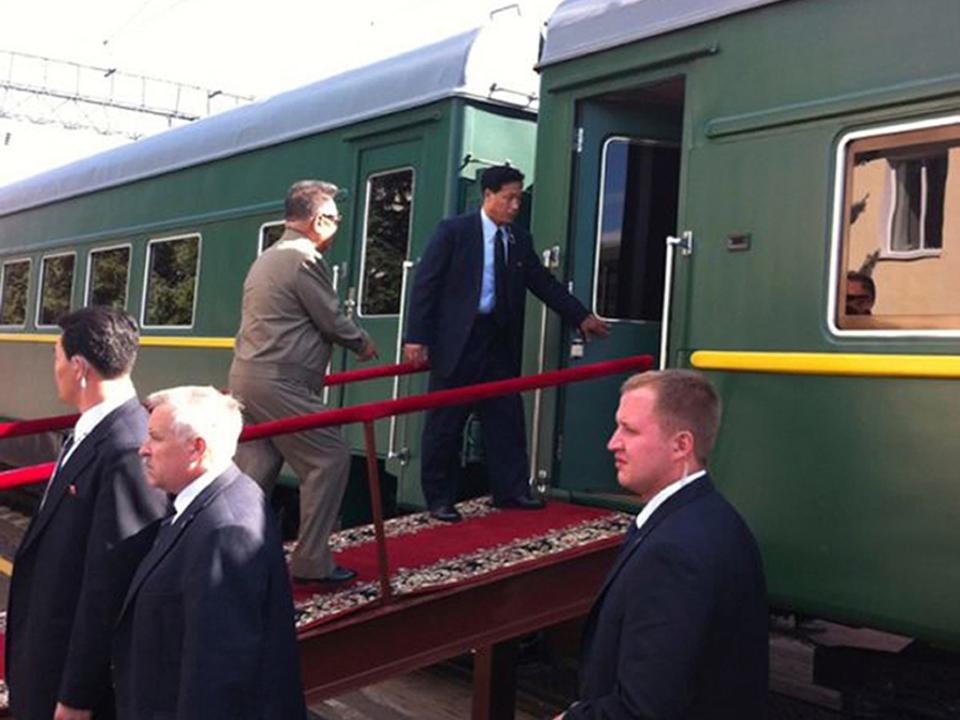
pixel 186 496
pixel 661 497
pixel 92 417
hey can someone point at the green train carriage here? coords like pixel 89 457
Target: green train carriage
pixel 781 145
pixel 167 227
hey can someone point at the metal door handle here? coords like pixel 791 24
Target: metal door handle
pixel 685 243
pixel 551 260
pixel 336 284
pixel 403 454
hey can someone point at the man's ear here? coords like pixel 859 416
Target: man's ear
pixel 683 444
pixel 199 446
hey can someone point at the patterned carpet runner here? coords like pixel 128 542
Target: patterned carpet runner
pixel 427 555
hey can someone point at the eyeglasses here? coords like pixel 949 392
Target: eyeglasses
pixel 333 218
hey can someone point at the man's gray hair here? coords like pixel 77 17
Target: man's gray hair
pixel 203 411
pixel 305 197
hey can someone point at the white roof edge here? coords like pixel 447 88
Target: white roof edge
pixel 584 27
pixel 459 66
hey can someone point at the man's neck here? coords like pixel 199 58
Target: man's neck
pixel 98 391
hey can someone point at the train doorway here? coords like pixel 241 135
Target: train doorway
pixel 625 199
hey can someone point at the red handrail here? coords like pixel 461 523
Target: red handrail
pixel 368 413
pixel 62 422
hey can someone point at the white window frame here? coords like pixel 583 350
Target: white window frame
pixel 3 281
pixel 73 285
pixel 595 292
pixel 264 226
pixel 363 238
pixel 836 238
pixel 89 274
pixel 146 282
pixel 887 251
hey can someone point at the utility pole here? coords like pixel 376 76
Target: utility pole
pixel 72 95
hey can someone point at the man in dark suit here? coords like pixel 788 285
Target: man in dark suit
pixel 207 628
pixel 466 318
pixel 72 566
pixel 679 629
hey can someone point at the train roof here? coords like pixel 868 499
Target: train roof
pixel 494 63
pixel 582 27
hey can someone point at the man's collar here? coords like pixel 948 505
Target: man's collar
pixel 186 496
pixel 661 497
pixel 92 416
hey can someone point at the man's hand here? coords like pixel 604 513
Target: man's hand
pixel 416 354
pixel 592 326
pixel 65 712
pixel 368 352
pixel 559 717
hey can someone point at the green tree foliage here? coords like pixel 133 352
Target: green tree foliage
pixel 172 280
pixel 13 304
pixel 57 284
pixel 388 236
pixel 108 277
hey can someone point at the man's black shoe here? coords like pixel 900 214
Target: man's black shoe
pixel 521 503
pixel 339 575
pixel 446 513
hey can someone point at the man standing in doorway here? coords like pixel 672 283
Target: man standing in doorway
pixel 290 320
pixel 466 318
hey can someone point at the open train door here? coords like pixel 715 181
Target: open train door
pixel 625 196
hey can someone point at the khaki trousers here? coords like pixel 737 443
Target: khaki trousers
pixel 320 458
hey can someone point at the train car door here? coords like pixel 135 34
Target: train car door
pixel 383 214
pixel 625 195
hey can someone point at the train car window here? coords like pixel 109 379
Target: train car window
pixel 386 239
pixel 269 234
pixel 900 240
pixel 56 288
pixel 14 284
pixel 108 276
pixel 637 211
pixel 171 287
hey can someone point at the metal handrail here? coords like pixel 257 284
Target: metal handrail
pixel 685 243
pixel 392 452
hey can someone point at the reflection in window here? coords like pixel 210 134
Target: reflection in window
pixel 386 239
pixel 638 210
pixel 56 286
pixel 171 281
pixel 900 253
pixel 108 279
pixel 269 234
pixel 13 296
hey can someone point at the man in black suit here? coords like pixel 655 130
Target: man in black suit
pixel 207 628
pixel 466 318
pixel 72 566
pixel 679 629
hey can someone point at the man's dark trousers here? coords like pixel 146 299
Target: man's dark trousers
pixel 487 358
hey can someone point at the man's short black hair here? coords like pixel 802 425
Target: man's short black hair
pixel 494 178
pixel 106 338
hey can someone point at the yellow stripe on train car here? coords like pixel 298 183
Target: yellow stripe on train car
pixel 849 364
pixel 145 340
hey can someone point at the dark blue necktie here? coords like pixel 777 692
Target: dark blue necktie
pixel 61 458
pixel 499 278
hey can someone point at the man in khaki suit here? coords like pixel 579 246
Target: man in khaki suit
pixel 291 318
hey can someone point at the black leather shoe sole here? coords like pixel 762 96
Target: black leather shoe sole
pixel 521 503
pixel 339 575
pixel 447 513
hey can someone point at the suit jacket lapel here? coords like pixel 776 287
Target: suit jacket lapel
pixel 698 488
pixel 166 541
pixel 73 469
pixel 475 241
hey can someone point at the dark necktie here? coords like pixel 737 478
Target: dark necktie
pixel 61 458
pixel 499 278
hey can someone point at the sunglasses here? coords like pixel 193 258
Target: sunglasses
pixel 333 218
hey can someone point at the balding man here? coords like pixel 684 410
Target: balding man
pixel 679 629
pixel 291 319
pixel 207 629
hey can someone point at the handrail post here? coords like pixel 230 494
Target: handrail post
pixel 403 454
pixel 376 506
